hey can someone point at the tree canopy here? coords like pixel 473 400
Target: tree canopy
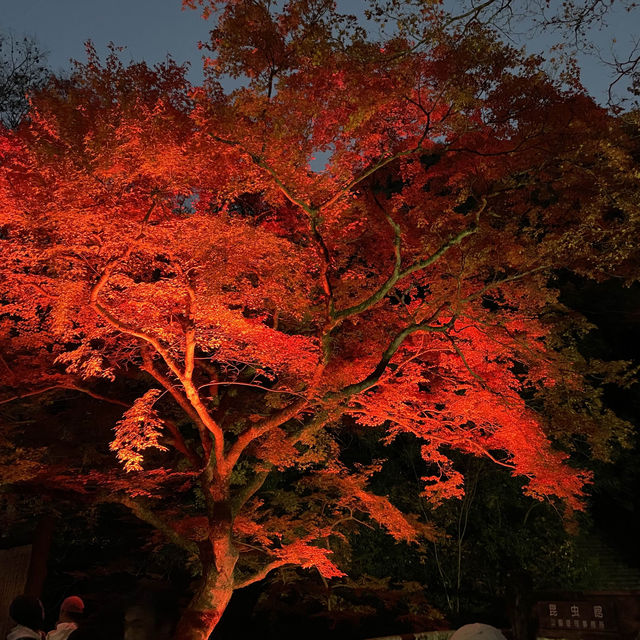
pixel 172 248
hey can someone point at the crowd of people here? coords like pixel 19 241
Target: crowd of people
pixel 28 614
pixel 147 615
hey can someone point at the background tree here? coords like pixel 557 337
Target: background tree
pixel 171 249
pixel 23 71
pixel 568 31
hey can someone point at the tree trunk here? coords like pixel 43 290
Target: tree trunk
pixel 218 557
pixel 203 612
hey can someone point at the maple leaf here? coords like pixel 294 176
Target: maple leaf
pixel 139 429
pixel 309 556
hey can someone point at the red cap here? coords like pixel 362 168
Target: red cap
pixel 72 604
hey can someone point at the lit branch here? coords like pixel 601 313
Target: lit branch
pixel 373 378
pixel 399 275
pixel 125 328
pixel 261 574
pixel 190 390
pixel 95 304
pixel 262 427
pixel 148 366
pixel 190 336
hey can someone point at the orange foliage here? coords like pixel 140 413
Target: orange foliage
pixel 139 429
pixel 178 243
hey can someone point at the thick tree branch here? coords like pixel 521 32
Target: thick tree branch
pixel 190 336
pixel 183 403
pixel 95 304
pixel 320 419
pixel 398 275
pixel 261 574
pixel 338 316
pixel 249 490
pixel 190 390
pixel 373 378
pixel 214 428
pixel 325 261
pixel 180 444
pixel 262 427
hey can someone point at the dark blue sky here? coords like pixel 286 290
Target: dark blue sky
pixel 149 29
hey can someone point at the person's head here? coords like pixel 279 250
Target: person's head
pixel 71 609
pixel 27 611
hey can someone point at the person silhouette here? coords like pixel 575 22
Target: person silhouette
pixel 71 613
pixel 28 614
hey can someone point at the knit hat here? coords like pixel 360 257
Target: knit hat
pixel 72 604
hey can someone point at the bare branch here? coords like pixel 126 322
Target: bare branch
pixel 373 378
pixel 69 387
pixel 151 517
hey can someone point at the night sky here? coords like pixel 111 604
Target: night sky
pixel 149 29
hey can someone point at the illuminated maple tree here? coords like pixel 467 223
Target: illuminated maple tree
pixel 178 243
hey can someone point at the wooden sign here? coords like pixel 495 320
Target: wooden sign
pixel 582 615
